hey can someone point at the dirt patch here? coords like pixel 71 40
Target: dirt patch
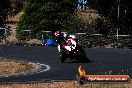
pixel 12 38
pixel 89 15
pixel 34 41
pixel 12 21
pixel 66 84
pixel 13 66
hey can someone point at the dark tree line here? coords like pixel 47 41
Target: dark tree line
pixel 109 8
pixel 4 10
pixel 9 7
pixel 42 14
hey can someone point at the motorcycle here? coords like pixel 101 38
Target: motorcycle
pixel 70 48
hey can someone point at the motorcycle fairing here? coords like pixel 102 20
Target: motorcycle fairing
pixel 70 44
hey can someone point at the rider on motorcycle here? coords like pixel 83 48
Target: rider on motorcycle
pixel 68 46
pixel 58 36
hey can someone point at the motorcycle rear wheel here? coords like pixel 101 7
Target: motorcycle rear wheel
pixel 82 55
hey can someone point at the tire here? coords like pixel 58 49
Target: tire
pixel 63 56
pixel 82 55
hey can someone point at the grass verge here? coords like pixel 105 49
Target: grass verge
pixel 13 66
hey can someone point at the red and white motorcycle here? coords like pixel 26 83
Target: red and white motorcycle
pixel 70 48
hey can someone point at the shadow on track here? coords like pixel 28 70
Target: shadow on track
pixel 77 61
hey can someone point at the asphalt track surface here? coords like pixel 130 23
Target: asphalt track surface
pixel 103 61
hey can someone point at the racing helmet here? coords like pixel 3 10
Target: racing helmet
pixel 57 33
